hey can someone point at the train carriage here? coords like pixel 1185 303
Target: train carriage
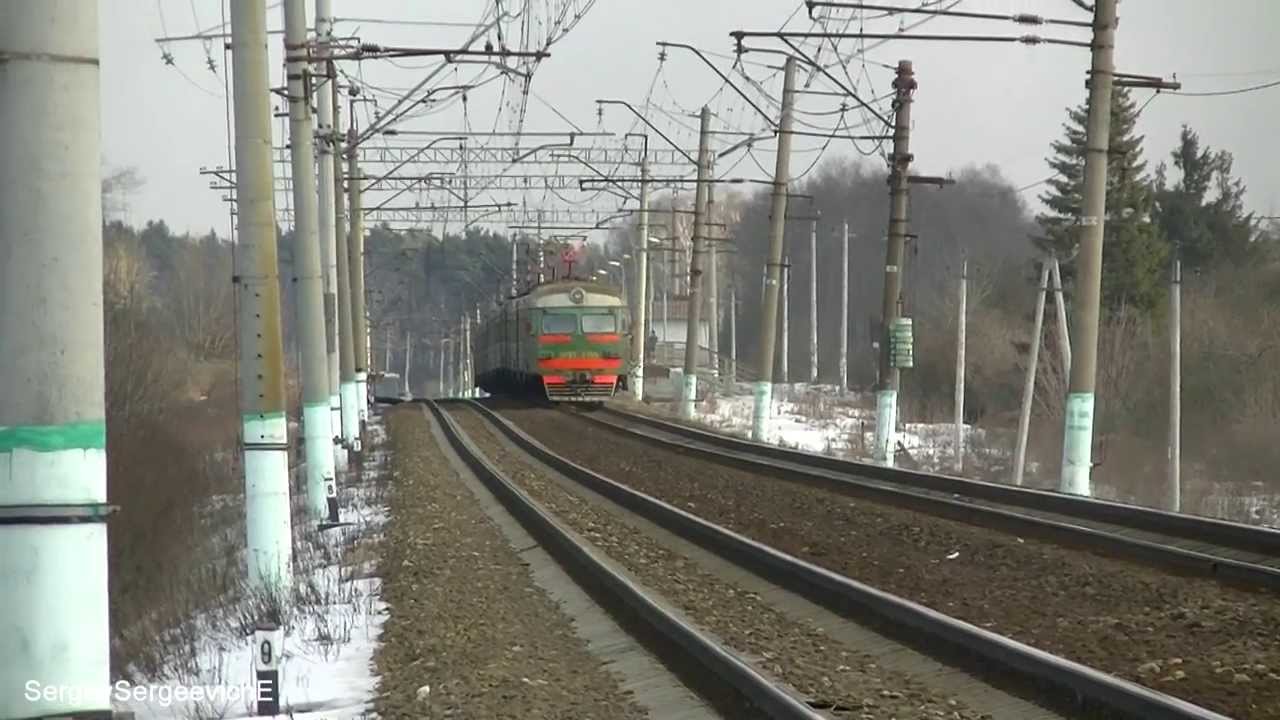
pixel 567 341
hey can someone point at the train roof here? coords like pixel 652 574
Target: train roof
pixel 558 294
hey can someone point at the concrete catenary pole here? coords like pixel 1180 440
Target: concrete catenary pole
pixel 327 139
pixel 1077 455
pixel 1173 497
pixel 515 267
pixel 961 322
pixel 53 466
pixel 261 366
pixel 441 388
pixel 733 332
pixel 693 307
pixel 317 428
pixel 346 341
pixel 355 264
pixel 773 263
pixel 844 307
pixel 784 361
pixel 712 244
pixel 408 352
pixel 1064 340
pixel 887 387
pixel 639 322
pixel 1029 383
pixel 813 302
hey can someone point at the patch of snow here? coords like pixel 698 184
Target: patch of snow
pixel 327 668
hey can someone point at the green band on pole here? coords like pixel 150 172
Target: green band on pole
pixel 90 435
pixel 260 416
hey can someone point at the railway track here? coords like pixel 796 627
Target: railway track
pixel 1054 682
pixel 1240 554
pixel 727 673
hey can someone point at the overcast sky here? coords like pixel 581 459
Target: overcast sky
pixel 976 104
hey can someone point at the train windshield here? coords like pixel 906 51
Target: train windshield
pixel 553 323
pixel 599 324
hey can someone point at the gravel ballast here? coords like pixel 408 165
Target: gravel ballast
pixel 794 651
pixel 469 633
pixel 1193 638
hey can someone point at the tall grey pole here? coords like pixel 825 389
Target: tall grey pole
pixel 773 264
pixel 441 389
pixel 961 322
pixel 1077 455
pixel 327 140
pixel 1055 276
pixel 1029 383
pixel 466 355
pixel 1174 492
pixel 712 244
pixel 844 307
pixel 53 595
pixel 408 352
pixel 308 278
pixel 887 387
pixel 784 361
pixel 515 263
pixel 386 350
pixel 350 401
pixel 355 264
pixel 639 322
pixel 693 307
pixel 261 366
pixel 813 302
pixel 733 332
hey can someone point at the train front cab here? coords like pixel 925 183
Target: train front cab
pixel 581 353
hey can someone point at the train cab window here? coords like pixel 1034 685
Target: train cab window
pixel 599 323
pixel 559 324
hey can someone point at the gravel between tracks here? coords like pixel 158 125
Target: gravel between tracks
pixel 466 618
pixel 796 652
pixel 1193 638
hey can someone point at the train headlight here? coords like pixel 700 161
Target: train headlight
pixel 577 295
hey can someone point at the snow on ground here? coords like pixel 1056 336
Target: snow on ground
pixel 327 673
pixel 816 418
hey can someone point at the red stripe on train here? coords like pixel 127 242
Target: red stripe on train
pixel 580 363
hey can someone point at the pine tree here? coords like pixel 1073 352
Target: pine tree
pixel 1208 230
pixel 1133 254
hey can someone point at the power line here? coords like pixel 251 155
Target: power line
pixel 1237 91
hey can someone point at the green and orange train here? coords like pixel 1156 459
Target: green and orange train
pixel 567 341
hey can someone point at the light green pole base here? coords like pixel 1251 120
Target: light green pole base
pixel 54 627
pixel 763 393
pixel 350 415
pixel 268 526
pixel 688 395
pixel 886 423
pixel 319 448
pixel 1077 445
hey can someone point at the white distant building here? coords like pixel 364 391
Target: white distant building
pixel 672 332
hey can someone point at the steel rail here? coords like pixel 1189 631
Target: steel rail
pixel 710 655
pixel 954 498
pixel 932 633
